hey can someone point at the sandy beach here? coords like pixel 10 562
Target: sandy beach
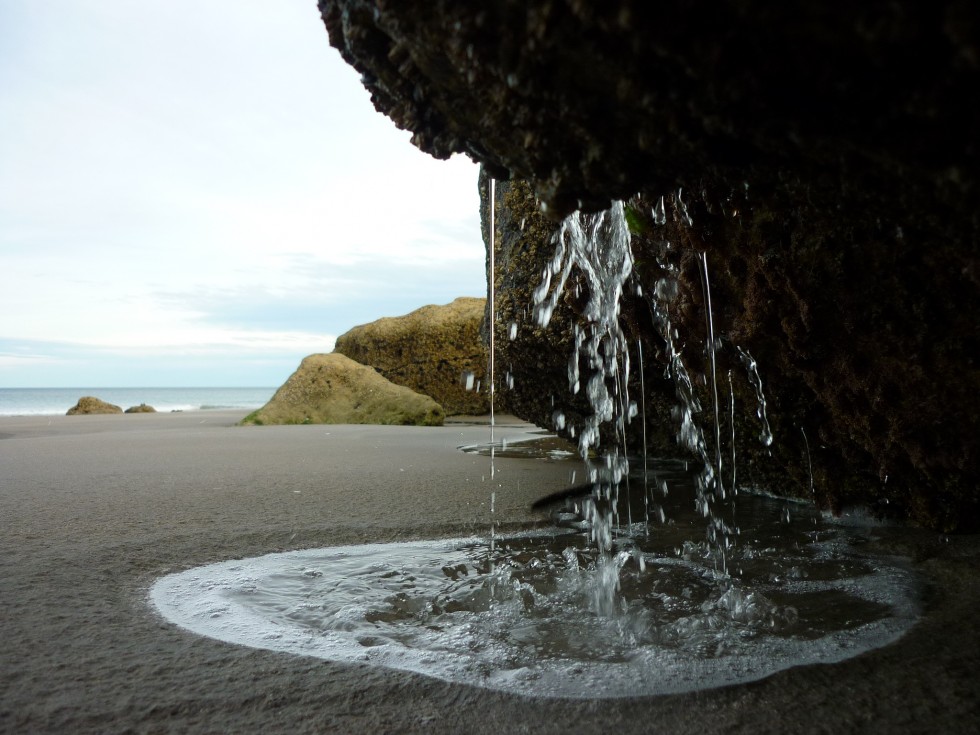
pixel 94 509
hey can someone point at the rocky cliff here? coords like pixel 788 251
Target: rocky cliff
pixel 431 350
pixel 841 346
pixel 824 160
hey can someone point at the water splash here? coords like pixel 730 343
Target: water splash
pixel 635 613
pixel 710 495
pixel 712 347
pixel 542 619
pixel 752 368
pixel 597 248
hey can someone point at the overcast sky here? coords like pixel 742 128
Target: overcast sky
pixel 199 192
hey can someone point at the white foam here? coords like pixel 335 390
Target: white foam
pixel 407 606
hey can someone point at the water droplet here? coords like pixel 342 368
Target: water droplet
pixel 659 213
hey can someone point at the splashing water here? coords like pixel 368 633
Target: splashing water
pixel 752 368
pixel 544 619
pixel 606 610
pixel 597 247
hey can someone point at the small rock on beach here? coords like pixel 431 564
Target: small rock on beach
pixel 91 405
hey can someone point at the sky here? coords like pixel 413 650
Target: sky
pixel 200 193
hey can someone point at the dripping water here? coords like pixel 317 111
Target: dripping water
pixel 731 420
pixel 492 282
pixel 512 618
pixel 643 428
pixel 597 246
pixel 752 369
pixel 711 347
pixel 809 464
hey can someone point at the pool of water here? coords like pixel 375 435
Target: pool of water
pixel 546 446
pixel 545 614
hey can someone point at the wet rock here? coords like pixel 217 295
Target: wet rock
pixel 333 389
pixel 592 101
pixel 533 361
pixel 142 408
pixel 851 349
pixel 92 405
pixel 824 159
pixel 432 351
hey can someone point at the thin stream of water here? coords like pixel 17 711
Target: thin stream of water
pixel 491 281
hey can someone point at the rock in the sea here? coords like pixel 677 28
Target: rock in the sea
pixel 333 389
pixel 435 351
pixel 92 405
pixel 142 408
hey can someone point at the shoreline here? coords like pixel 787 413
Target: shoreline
pixel 44 402
pixel 95 509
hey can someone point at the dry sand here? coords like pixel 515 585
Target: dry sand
pixel 93 509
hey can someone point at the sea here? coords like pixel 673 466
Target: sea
pixel 57 401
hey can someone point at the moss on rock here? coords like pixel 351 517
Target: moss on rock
pixel 91 405
pixel 142 408
pixel 333 389
pixel 429 350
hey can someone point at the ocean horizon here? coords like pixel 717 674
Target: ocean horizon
pixel 57 401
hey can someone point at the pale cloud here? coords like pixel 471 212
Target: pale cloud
pixel 203 340
pixel 207 179
pixel 23 362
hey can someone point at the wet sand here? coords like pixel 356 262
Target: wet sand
pixel 93 509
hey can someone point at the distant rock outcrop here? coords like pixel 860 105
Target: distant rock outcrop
pixel 333 389
pixel 431 351
pixel 142 408
pixel 92 405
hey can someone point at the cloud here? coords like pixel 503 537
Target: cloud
pixel 207 180
pixel 24 361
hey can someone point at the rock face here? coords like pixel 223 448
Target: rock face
pixel 92 405
pixel 142 408
pixel 841 344
pixel 429 351
pixel 825 162
pixel 538 358
pixel 333 389
pixel 597 100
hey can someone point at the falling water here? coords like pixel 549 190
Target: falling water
pixel 492 290
pixel 597 246
pixel 710 495
pixel 712 362
pixel 752 368
pixel 643 434
pixel 612 612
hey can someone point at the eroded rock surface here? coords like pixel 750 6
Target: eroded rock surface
pixel 333 389
pixel 597 100
pixel 850 350
pixel 430 350
pixel 823 157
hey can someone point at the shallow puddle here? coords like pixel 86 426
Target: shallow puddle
pixel 545 615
